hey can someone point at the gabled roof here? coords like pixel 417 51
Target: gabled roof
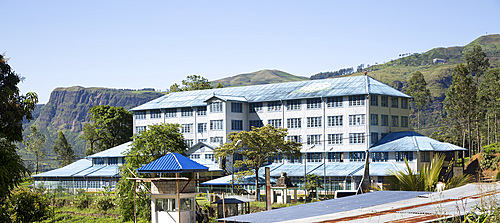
pixel 342 86
pixel 117 151
pixel 235 199
pixel 68 170
pixel 411 141
pixel 172 163
pixel 246 180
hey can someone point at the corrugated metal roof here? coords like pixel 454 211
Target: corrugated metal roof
pixel 234 199
pixel 339 169
pixel 295 169
pixel 343 204
pixel 247 180
pixel 411 141
pixel 88 171
pixel 107 171
pixel 117 151
pixel 67 171
pixel 172 163
pixel 343 86
pixel 212 166
pixel 378 169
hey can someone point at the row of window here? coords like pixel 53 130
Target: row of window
pixel 339 157
pixel 384 120
pixel 108 161
pixel 384 101
pixel 207 156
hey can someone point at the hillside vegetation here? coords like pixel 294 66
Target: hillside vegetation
pixel 259 77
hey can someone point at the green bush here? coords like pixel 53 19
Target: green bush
pixel 492 148
pixel 497 177
pixel 28 206
pixel 105 203
pixel 82 202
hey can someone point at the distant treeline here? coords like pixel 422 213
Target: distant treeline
pixel 144 89
pixel 328 74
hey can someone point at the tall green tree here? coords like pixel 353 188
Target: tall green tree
pixel 110 126
pixel 489 96
pixel 257 147
pixel 191 83
pixel 64 150
pixel 34 144
pixel 417 88
pixel 460 102
pixel 14 108
pixel 156 141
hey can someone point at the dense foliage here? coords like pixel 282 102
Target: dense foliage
pixel 64 150
pixel 191 83
pixel 328 74
pixel 110 126
pixel 28 206
pixel 257 147
pixel 149 145
pixel 417 88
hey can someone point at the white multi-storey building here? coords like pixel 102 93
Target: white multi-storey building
pixel 336 120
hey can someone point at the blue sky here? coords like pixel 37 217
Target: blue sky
pixel 137 44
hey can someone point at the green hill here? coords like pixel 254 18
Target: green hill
pixel 259 77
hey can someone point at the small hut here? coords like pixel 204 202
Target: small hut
pixel 232 206
pixel 172 199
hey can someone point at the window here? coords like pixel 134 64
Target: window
pixel 314 157
pixel 278 158
pixel 202 127
pixel 379 156
pixel 355 120
pixel 201 111
pixel 218 139
pixel 313 122
pixel 385 101
pixel 373 137
pixel 98 161
pixel 140 115
pixel 404 121
pixel 171 113
pixel 357 100
pixel 256 123
pixel 373 119
pixel 425 156
pixel 335 139
pixel 188 142
pixel 293 105
pixel 210 157
pixel 385 120
pixel 276 123
pixel 139 129
pixel 186 128
pixel 314 103
pixel 293 159
pixel 202 140
pixel 236 107
pixel 166 204
pixel 334 102
pixel 356 156
pixel 401 156
pixel 335 157
pixel 356 138
pixel 156 113
pixel 294 123
pixel 215 106
pixel 395 121
pixel 255 107
pixel 186 112
pixel 273 106
pixel 394 103
pixel 236 125
pixel 113 161
pixel 216 125
pixel 404 103
pixel 313 139
pixel 194 156
pixel 374 100
pixel 334 121
pixel 294 138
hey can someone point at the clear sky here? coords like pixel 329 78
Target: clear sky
pixel 137 44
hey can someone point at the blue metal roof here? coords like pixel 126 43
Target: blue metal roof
pixel 342 86
pixel 339 169
pixel 172 163
pixel 343 204
pixel 212 166
pixel 378 169
pixel 68 170
pixel 411 141
pixel 117 151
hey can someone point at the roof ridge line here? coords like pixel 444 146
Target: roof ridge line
pixel 173 154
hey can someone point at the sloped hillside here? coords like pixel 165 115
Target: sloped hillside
pixel 259 77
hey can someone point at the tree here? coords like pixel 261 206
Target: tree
pixel 313 183
pixel 12 169
pixel 257 147
pixel 417 88
pixel 110 126
pixel 191 83
pixel 149 145
pixel 64 151
pixel 28 206
pixel 14 108
pixel 489 96
pixel 219 85
pixel 34 144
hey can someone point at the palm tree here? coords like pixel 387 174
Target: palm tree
pixel 427 178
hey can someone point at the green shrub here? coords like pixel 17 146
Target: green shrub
pixel 84 201
pixel 105 203
pixel 28 206
pixel 492 148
